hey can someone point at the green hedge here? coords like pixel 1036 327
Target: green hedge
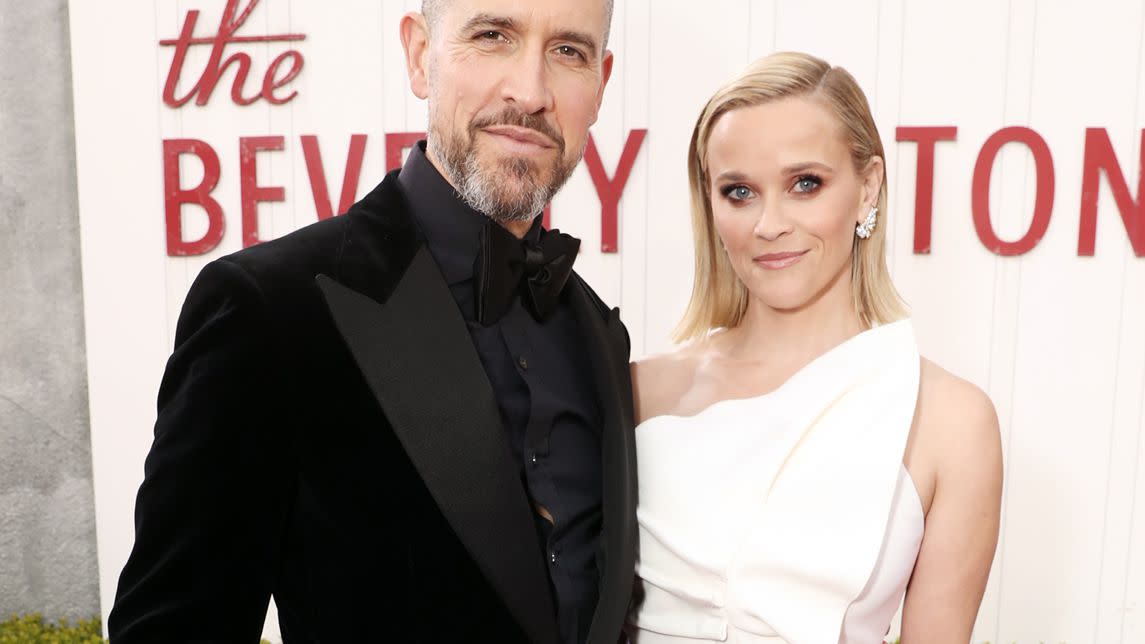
pixel 31 629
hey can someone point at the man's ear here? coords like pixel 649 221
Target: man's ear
pixel 605 74
pixel 415 42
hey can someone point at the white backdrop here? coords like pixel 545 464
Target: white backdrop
pixel 1056 339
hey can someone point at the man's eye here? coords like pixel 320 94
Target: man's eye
pixel 490 35
pixel 571 52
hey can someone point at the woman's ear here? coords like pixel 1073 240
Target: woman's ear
pixel 872 185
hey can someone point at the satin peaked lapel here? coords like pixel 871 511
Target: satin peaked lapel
pixel 608 347
pixel 419 361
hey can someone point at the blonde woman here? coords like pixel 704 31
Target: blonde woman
pixel 801 468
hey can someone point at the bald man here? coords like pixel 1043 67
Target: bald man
pixel 411 422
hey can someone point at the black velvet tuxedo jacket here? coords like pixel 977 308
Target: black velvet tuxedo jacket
pixel 326 434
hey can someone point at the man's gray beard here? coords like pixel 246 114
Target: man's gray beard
pixel 487 191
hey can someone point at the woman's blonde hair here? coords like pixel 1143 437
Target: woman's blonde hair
pixel 719 299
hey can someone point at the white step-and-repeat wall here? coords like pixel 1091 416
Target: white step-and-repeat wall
pixel 1014 138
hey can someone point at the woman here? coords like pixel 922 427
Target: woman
pixel 800 467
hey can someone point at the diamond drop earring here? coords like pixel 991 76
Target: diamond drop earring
pixel 864 229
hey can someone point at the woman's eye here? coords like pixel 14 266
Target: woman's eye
pixel 808 183
pixel 739 193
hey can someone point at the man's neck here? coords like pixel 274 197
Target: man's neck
pixel 518 228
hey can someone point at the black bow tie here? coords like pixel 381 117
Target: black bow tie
pixel 507 266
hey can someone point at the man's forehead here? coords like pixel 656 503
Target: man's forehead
pixel 552 14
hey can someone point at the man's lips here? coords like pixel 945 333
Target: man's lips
pixel 521 135
pixel 779 260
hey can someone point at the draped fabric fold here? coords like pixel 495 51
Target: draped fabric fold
pixel 766 517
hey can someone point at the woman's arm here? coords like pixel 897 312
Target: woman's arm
pixel 960 429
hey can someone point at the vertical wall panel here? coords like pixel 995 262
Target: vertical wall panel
pixel 636 98
pixel 763 26
pixel 951 287
pixel 1067 349
pixel 1121 605
pixel 1114 616
pixel 1011 206
pixel 843 34
pixel 1132 612
pixel 124 315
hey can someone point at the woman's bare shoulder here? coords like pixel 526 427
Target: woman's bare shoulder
pixel 950 402
pixel 956 419
pixel 659 380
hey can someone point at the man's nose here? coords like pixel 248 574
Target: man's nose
pixel 526 83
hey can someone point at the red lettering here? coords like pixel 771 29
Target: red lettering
pixel 251 192
pixel 1043 201
pixel 610 190
pixel 926 137
pixel 396 144
pixel 317 173
pixel 216 66
pixel 182 44
pixel 1100 157
pixel 174 196
pixel 270 83
pixel 211 78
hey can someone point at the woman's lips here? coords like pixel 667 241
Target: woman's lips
pixel 774 261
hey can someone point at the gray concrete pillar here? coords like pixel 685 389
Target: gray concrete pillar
pixel 47 516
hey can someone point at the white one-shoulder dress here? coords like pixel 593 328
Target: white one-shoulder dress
pixel 788 517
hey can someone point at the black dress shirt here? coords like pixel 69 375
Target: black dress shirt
pixel 541 379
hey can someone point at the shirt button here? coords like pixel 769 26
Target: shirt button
pixel 523 363
pixel 533 458
pixel 553 556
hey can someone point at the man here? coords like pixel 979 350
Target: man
pixel 411 422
